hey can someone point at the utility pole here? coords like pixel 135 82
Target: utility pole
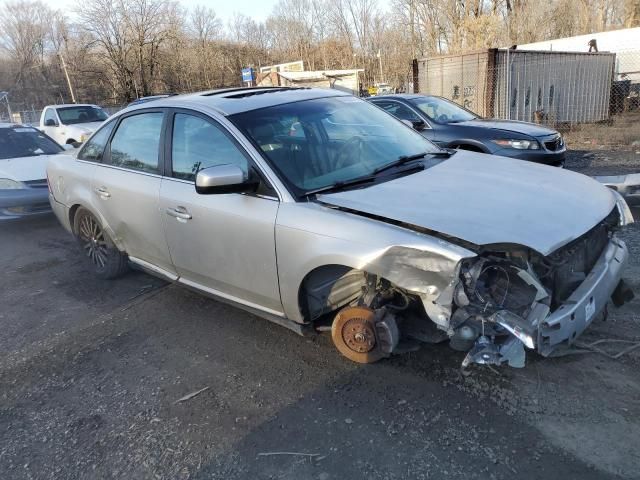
pixel 66 74
pixel 380 62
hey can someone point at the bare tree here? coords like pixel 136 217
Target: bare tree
pixel 116 50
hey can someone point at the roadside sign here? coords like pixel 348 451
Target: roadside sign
pixel 247 74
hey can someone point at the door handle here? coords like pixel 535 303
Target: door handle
pixel 103 192
pixel 180 213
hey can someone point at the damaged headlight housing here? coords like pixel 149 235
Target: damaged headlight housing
pixel 9 184
pixel 626 217
pixel 518 144
pixel 500 304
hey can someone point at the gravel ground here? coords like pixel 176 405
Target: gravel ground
pixel 91 373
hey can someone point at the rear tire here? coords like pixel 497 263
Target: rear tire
pixel 107 261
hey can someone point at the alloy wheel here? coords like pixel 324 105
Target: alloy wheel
pixel 93 241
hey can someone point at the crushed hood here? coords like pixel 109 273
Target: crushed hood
pixel 486 199
pixel 525 128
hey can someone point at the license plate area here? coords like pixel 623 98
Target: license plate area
pixel 590 310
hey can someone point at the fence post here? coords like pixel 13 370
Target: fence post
pixel 416 80
pixel 508 84
pixel 491 83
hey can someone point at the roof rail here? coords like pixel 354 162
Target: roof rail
pixel 248 91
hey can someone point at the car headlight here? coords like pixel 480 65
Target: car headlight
pixel 8 184
pixel 84 137
pixel 518 144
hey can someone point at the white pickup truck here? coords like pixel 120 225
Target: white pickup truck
pixel 71 124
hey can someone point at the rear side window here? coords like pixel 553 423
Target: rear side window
pixel 136 143
pixel 94 148
pixel 199 144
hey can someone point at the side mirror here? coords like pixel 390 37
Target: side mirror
pixel 418 125
pixel 223 179
pixel 50 123
pixel 68 146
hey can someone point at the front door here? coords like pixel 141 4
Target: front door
pixel 127 188
pixel 404 112
pixel 223 243
pixel 53 130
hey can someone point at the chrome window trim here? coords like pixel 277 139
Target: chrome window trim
pixel 104 165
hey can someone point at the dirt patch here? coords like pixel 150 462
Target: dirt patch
pixel 622 132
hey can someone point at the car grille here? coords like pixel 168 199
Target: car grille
pixel 570 265
pixel 554 144
pixel 36 183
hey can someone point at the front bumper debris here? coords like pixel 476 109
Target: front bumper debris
pixel 567 322
pixel 546 331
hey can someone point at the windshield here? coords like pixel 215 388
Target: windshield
pixel 85 114
pixel 18 142
pixel 316 143
pixel 443 111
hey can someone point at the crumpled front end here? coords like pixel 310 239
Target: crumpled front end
pixel 512 299
pixel 492 302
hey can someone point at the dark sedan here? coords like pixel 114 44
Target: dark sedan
pixel 449 125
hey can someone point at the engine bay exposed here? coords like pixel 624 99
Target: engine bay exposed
pixel 496 307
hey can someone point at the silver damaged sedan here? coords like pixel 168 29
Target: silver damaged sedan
pixel 321 212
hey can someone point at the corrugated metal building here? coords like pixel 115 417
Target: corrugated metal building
pixel 533 86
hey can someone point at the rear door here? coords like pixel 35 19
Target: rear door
pixel 223 243
pixel 127 188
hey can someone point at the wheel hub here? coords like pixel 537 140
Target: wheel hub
pixel 354 335
pixel 358 334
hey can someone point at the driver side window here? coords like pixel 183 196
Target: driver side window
pixel 197 144
pixel 50 114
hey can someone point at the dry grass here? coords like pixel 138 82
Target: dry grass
pixel 623 133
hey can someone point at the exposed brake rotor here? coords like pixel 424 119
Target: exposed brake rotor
pixel 354 334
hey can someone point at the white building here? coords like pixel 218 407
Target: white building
pixel 624 43
pixel 344 80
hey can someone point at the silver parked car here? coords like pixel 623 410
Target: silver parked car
pixel 353 223
pixel 24 152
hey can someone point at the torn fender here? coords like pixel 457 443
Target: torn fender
pixel 431 275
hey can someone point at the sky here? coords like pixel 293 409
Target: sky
pixel 257 9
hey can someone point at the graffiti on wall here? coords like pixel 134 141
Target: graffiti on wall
pixel 468 95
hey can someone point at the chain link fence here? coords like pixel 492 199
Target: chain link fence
pixel 546 87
